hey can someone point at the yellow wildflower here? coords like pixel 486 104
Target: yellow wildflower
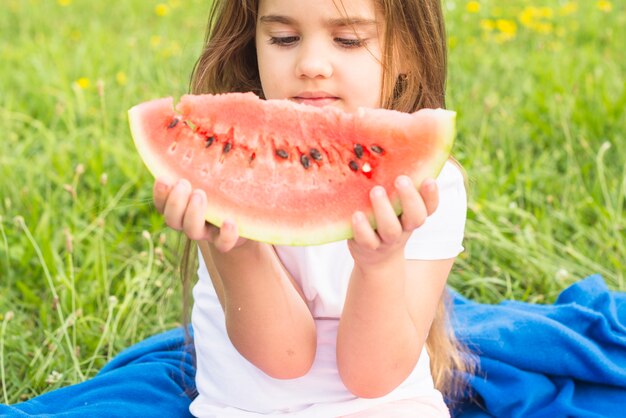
pixel 542 27
pixel 532 13
pixel 161 9
pixel 83 83
pixel 473 6
pixel 121 78
pixel 535 18
pixel 172 49
pixel 605 5
pixel 64 2
pixel 155 41
pixel 545 12
pixel 487 24
pixel 568 8
pixel 506 26
pixel 527 16
pixel 75 35
pixel 453 41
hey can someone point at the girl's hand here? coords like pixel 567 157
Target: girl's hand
pixel 371 247
pixel 184 209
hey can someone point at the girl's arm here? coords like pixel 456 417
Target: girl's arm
pixel 385 322
pixel 267 319
pixel 390 302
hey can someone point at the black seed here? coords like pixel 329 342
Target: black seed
pixel 315 154
pixel 358 150
pixel 353 165
pixel 227 147
pixel 377 149
pixel 282 154
pixel 173 123
pixel 209 141
pixel 304 160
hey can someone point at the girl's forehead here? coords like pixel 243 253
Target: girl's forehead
pixel 326 9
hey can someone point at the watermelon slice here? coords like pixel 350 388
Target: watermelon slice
pixel 288 173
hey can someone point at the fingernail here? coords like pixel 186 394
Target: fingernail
pixel 161 186
pixel 183 183
pixel 403 181
pixel 358 217
pixel 197 196
pixel 378 191
pixel 429 183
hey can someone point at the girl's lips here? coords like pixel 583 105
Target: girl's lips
pixel 315 100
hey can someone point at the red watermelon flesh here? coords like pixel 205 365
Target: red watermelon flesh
pixel 288 173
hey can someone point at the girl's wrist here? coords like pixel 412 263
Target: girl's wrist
pixel 375 269
pixel 248 249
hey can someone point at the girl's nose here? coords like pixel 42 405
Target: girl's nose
pixel 313 62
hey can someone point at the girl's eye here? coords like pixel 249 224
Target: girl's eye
pixel 284 40
pixel 350 42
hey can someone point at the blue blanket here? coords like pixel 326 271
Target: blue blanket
pixel 565 359
pixel 149 379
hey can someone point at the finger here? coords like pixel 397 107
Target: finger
pixel 430 195
pixel 387 224
pixel 159 193
pixel 413 207
pixel 364 234
pixel 227 237
pixel 176 204
pixel 194 223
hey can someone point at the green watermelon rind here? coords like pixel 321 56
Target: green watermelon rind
pixel 251 228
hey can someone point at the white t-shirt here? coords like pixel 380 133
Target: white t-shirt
pixel 230 386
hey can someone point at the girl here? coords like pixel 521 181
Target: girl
pixel 337 329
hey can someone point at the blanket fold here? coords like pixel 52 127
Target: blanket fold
pixel 567 359
pixel 564 359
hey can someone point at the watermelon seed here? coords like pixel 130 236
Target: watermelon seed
pixel 353 165
pixel 315 154
pixel 377 149
pixel 366 168
pixel 188 156
pixel 282 154
pixel 173 123
pixel 252 157
pixel 358 150
pixel 304 160
pixel 227 147
pixel 173 147
pixel 209 141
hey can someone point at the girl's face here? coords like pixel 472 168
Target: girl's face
pixel 317 53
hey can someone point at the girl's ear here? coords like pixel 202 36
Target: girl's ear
pixel 400 85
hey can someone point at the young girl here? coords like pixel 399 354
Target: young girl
pixel 337 329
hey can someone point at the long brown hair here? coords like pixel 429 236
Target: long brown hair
pixel 414 36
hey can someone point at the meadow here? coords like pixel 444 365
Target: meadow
pixel 88 268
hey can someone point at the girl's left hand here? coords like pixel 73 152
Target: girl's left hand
pixel 371 247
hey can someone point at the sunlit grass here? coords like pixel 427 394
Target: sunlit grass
pixel 88 268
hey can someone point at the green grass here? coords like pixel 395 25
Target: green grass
pixel 88 268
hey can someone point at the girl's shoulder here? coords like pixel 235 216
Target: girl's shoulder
pixel 452 176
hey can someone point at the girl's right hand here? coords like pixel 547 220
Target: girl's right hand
pixel 184 209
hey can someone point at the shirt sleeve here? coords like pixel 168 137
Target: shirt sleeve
pixel 441 235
